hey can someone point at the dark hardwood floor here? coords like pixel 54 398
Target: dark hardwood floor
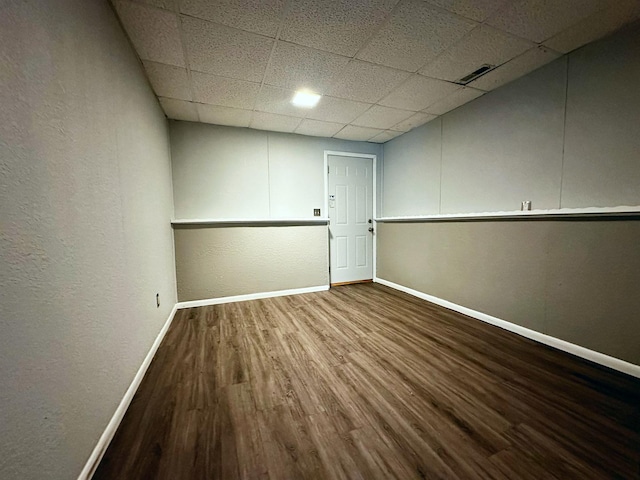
pixel 366 382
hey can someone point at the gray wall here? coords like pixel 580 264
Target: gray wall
pixel 512 144
pixel 602 147
pixel 85 239
pixel 226 172
pixel 574 280
pixel 220 262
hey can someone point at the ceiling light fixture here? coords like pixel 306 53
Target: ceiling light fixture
pixel 305 99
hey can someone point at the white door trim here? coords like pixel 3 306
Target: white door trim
pixel 373 157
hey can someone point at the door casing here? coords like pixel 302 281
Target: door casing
pixel 374 159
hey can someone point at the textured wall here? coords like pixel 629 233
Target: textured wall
pixel 573 280
pixel 411 178
pixel 226 172
pixel 221 262
pixel 506 146
pixel 566 135
pixel 602 147
pixel 85 240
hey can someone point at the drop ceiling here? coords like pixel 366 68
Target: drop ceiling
pixel 383 67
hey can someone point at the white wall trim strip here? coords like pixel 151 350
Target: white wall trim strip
pixel 250 296
pixel 114 423
pixel 244 222
pixel 560 213
pixel 596 357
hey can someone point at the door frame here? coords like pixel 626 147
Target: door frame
pixel 374 159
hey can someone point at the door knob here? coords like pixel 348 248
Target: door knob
pixel 371 229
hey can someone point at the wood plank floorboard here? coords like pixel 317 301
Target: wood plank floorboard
pixel 365 382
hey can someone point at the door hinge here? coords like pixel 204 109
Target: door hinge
pixel 328 169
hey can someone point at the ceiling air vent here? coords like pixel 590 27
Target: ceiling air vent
pixel 475 74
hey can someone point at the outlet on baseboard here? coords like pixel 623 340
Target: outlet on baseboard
pixel 157 300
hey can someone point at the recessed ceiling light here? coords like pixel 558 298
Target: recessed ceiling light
pixel 305 99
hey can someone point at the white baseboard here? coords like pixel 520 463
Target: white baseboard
pixel 114 423
pixel 250 296
pixel 596 357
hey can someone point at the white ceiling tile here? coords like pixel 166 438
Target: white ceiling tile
pixel 273 122
pixel 154 33
pixel 414 121
pixel 385 136
pixel 228 50
pixel 519 66
pixel 221 50
pixel 334 25
pixel 179 109
pixel 296 67
pixel 453 101
pixel 337 110
pixel 596 26
pixel 475 9
pixel 317 128
pixel 483 45
pixel 366 82
pixel 539 20
pixel 418 92
pixel 234 117
pixel 415 34
pixel 227 92
pixel 361 134
pixel 381 117
pixel 278 100
pixel 168 81
pixel 258 16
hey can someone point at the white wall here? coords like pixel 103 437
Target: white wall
pixel 85 240
pixel 227 172
pixel 512 144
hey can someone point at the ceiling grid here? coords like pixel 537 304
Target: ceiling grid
pixel 383 67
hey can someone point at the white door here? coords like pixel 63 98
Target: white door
pixel 350 218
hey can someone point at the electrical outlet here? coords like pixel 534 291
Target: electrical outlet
pixel 525 205
pixel 157 300
pixel 316 212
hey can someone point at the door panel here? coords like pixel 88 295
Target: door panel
pixel 361 251
pixel 342 246
pixel 361 204
pixel 350 210
pixel 342 205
